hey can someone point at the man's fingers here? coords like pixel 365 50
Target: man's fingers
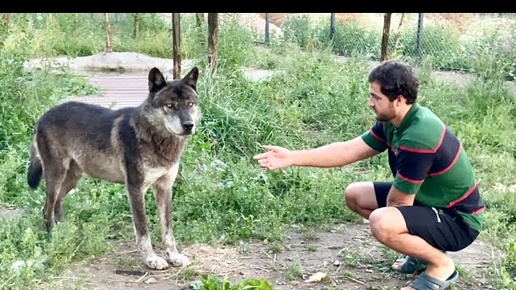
pixel 260 156
pixel 271 148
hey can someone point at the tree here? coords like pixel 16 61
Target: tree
pixel 213 37
pixel 109 48
pixel 385 35
pixel 176 36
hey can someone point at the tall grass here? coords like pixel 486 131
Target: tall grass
pixel 221 194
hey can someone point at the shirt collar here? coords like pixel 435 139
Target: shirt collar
pixel 407 120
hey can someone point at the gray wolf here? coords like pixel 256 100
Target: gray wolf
pixel 139 147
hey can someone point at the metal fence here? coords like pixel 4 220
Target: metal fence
pixel 449 41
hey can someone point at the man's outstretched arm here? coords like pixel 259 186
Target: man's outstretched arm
pixel 334 154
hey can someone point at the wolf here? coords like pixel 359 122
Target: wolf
pixel 139 147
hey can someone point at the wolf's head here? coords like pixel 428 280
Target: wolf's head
pixel 174 104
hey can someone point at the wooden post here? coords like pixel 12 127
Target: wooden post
pixel 109 48
pixel 419 39
pixel 385 35
pixel 136 29
pixel 267 34
pixel 332 26
pixel 176 35
pixel 213 37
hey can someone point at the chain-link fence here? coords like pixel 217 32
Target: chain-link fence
pixel 473 42
pixel 448 41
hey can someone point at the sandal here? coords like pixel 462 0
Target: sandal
pixel 410 265
pixel 425 282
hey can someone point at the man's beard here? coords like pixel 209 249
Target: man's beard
pixel 386 116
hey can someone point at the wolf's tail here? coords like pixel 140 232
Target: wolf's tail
pixel 35 171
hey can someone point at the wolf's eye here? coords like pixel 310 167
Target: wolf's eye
pixel 169 105
pixel 190 104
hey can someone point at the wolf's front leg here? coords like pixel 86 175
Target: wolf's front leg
pixel 163 193
pixel 143 241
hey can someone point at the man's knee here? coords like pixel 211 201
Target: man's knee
pixel 386 222
pixel 350 194
pixel 359 194
pixel 353 192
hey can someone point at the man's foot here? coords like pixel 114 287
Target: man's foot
pixel 425 281
pixel 408 265
pixel 439 277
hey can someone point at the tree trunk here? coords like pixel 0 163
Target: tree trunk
pixel 109 48
pixel 397 37
pixel 385 35
pixel 176 36
pixel 213 37
pixel 136 30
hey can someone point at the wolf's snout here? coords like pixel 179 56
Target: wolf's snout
pixel 188 125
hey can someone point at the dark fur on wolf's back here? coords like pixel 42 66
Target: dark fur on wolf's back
pixel 136 146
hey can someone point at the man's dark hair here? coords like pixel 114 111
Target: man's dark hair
pixel 396 78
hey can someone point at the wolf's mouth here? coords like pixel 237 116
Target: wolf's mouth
pixel 170 128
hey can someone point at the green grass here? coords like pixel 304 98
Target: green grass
pixel 222 193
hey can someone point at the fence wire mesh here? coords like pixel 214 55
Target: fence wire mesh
pixel 450 41
pixel 471 42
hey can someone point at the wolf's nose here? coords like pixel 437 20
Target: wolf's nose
pixel 188 125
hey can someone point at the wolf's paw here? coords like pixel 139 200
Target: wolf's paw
pixel 179 260
pixel 156 263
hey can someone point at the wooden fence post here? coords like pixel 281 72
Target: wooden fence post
pixel 176 46
pixel 213 37
pixel 332 26
pixel 385 35
pixel 109 47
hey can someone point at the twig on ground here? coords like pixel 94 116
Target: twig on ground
pixel 142 277
pixel 356 281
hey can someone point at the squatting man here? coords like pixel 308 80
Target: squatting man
pixel 432 205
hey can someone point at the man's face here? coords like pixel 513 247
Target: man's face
pixel 384 109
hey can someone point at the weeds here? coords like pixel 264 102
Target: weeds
pixel 221 194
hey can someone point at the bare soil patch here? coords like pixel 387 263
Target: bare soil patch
pixel 347 253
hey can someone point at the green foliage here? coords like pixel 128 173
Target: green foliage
pixel 210 282
pixel 221 194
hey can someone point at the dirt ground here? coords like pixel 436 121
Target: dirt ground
pixel 346 253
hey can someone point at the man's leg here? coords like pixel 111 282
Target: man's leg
pixel 364 197
pixel 423 233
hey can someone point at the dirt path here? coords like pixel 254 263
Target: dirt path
pixel 347 253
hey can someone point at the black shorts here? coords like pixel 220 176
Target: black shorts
pixel 441 228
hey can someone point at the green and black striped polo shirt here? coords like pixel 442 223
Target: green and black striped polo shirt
pixel 427 159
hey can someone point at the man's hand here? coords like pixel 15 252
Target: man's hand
pixel 275 158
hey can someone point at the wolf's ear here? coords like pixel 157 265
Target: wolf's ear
pixel 156 80
pixel 191 77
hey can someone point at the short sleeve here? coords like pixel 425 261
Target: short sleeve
pixel 375 137
pixel 412 168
